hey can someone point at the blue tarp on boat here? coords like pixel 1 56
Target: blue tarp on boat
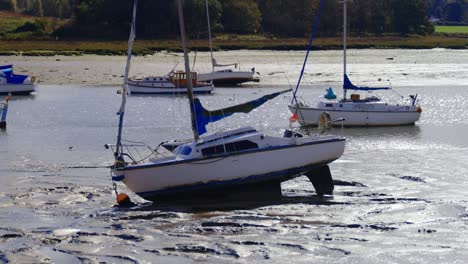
pixel 7 71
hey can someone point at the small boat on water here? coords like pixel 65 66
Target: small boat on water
pixel 228 74
pixel 15 84
pixel 234 159
pixel 173 83
pixel 357 110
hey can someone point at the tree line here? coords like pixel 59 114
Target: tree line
pixel 50 8
pixel 285 18
pixel 449 12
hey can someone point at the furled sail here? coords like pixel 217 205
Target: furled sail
pixel 204 116
pixel 348 85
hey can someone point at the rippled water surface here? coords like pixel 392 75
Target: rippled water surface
pixel 400 194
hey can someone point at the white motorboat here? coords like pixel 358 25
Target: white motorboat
pixel 173 83
pixel 357 110
pixel 232 159
pixel 225 74
pixel 15 84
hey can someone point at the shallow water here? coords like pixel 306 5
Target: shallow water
pixel 400 194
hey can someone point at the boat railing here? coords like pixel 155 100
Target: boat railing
pixel 138 152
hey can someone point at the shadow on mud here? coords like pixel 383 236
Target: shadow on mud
pixel 230 203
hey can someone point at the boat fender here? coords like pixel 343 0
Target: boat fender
pixel 33 79
pixel 419 109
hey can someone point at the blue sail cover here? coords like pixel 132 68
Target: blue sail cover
pixel 7 71
pixel 348 85
pixel 204 116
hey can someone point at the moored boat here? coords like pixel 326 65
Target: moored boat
pixel 228 74
pixel 15 84
pixel 357 110
pixel 173 83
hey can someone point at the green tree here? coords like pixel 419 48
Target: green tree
pixel 331 18
pixel 409 16
pixel 7 5
pixel 291 18
pixel 241 16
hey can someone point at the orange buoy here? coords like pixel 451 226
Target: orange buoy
pixel 419 109
pixel 123 199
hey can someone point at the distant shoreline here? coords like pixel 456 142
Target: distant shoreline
pixel 229 42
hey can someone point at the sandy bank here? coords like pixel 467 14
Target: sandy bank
pixel 365 66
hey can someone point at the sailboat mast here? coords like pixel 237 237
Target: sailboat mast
pixel 209 34
pixel 344 44
pixel 121 112
pixel 187 71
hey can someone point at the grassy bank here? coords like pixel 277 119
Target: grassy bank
pixel 228 42
pixel 452 29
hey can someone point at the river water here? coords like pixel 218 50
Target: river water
pixel 400 194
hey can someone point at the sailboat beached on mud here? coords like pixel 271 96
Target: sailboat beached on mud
pixel 224 74
pixel 357 111
pixel 236 159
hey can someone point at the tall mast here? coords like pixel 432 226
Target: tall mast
pixel 187 71
pixel 125 82
pixel 344 44
pixel 209 34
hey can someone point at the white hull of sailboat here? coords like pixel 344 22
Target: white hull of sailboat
pixel 165 88
pixel 364 117
pixel 228 77
pixel 269 164
pixel 17 89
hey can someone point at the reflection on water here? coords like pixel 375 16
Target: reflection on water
pixel 400 193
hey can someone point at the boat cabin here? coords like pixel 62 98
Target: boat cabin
pixel 225 142
pixel 179 78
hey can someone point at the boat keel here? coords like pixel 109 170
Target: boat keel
pixel 322 180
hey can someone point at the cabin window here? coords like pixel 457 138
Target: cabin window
pixel 186 150
pixel 328 105
pixel 230 147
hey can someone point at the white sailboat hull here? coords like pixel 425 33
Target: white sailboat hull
pixel 228 77
pixel 136 87
pixel 269 164
pixel 405 115
pixel 17 89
